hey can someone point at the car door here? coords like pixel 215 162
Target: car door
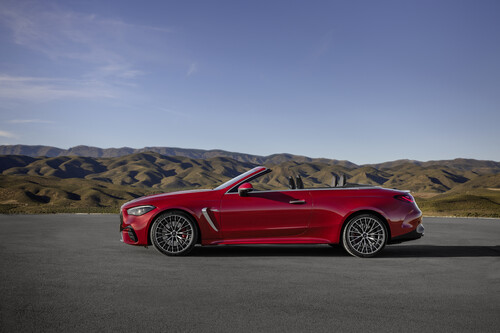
pixel 265 214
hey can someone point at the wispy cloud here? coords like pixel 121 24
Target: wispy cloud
pixel 108 44
pixel 193 68
pixel 46 89
pixel 119 71
pixel 6 134
pixel 104 54
pixel 30 121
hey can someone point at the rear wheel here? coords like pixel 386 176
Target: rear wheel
pixel 364 236
pixel 174 233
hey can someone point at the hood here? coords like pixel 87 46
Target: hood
pixel 163 195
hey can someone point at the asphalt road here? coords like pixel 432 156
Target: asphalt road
pixel 71 273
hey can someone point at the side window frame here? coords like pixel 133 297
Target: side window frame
pixel 234 189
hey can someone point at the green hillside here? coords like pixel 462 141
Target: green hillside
pixel 479 202
pixel 35 194
pixel 89 184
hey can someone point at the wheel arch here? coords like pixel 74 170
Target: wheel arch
pixel 198 241
pixel 366 211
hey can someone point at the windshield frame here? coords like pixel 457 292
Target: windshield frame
pixel 230 183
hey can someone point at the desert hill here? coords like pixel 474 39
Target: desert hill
pixel 70 183
pixel 36 194
pixel 156 171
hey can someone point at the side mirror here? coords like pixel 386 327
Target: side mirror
pixel 244 189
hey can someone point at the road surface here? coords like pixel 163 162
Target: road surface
pixel 71 273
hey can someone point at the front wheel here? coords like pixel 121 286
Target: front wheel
pixel 174 233
pixel 364 236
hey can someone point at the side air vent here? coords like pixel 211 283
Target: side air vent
pixel 205 213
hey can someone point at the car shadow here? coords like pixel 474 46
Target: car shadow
pixel 436 251
pixel 267 251
pixel 391 251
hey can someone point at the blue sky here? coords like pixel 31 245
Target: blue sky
pixel 366 81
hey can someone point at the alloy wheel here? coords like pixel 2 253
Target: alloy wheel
pixel 364 236
pixel 173 234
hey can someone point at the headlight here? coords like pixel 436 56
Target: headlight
pixel 140 210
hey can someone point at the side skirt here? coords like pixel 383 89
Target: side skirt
pixel 301 240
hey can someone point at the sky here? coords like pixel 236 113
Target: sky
pixel 364 81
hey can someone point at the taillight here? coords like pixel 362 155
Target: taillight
pixel 404 197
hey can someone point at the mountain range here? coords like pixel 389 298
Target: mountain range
pixel 87 151
pixel 49 178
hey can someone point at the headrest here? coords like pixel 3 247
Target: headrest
pixel 341 180
pixel 334 181
pixel 300 183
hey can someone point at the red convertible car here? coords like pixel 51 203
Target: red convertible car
pixel 362 218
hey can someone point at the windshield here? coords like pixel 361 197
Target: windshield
pixel 235 180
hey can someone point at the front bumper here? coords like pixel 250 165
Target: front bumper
pixel 128 231
pixel 134 229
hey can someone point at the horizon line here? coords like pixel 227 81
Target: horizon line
pixel 248 154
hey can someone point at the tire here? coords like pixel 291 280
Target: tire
pixel 174 233
pixel 364 236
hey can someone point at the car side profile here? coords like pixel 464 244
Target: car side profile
pixel 362 218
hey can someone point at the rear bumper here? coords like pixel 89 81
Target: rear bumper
pixel 412 235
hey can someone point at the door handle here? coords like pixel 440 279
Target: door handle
pixel 297 202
